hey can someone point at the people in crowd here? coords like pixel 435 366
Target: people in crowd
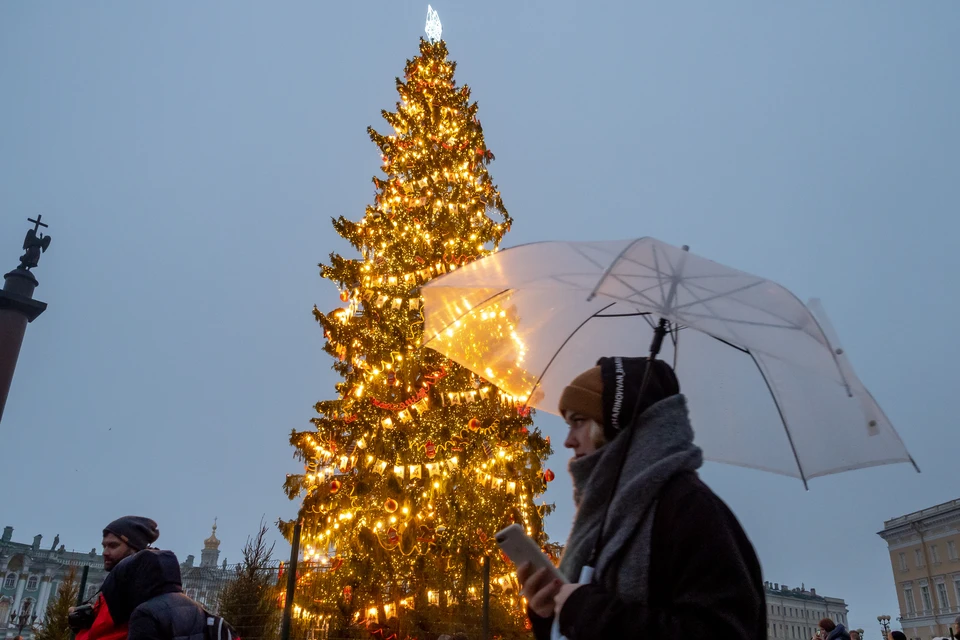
pixel 145 592
pixel 833 631
pixel 122 538
pixel 668 557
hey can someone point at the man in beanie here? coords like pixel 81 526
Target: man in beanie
pixel 122 538
pixel 672 560
pixel 125 536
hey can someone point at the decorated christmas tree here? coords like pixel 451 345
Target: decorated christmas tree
pixel 417 462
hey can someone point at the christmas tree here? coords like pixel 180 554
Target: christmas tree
pixel 417 462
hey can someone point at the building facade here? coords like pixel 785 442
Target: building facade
pixel 924 557
pixel 31 575
pixel 795 613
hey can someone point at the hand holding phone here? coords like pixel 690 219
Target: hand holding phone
pixel 520 548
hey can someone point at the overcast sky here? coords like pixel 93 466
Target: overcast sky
pixel 189 156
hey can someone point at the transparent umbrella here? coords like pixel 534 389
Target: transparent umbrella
pixel 768 384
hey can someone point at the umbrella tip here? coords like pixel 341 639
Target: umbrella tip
pixel 686 247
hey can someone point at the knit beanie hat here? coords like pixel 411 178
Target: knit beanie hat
pixel 608 392
pixel 584 396
pixel 622 380
pixel 138 533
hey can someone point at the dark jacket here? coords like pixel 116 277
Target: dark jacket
pixel 704 581
pixel 145 589
pixel 839 633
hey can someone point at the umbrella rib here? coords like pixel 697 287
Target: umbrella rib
pixel 722 294
pixel 610 267
pixel 622 315
pixel 754 307
pixel 783 420
pixel 563 344
pixel 639 292
pixel 749 323
pixel 588 258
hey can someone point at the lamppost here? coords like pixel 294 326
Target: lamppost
pixel 884 625
pixel 23 619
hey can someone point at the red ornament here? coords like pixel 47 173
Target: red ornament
pixel 344 296
pixel 482 534
pixel 391 378
pixel 430 448
pixel 336 564
pixel 334 485
pixel 348 593
pixel 390 505
pixel 524 430
pixel 548 475
pixel 392 536
pixel 474 424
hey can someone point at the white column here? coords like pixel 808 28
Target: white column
pixel 21 585
pixel 45 584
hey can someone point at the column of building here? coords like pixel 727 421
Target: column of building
pixel 46 582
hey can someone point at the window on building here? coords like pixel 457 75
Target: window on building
pixel 918 555
pixel 925 596
pixel 942 596
pixel 952 550
pixel 11 581
pixel 935 554
pixel 908 600
pixel 903 562
pixel 32 583
pixel 956 586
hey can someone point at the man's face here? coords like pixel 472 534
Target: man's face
pixel 854 635
pixel 114 550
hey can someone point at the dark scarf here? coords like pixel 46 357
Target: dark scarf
pixel 661 447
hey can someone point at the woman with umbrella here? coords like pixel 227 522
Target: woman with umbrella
pixel 669 559
pixel 777 389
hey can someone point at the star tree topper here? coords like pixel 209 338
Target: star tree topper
pixel 433 28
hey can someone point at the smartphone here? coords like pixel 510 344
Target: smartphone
pixel 520 548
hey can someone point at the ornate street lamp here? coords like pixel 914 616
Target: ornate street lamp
pixel 884 625
pixel 23 619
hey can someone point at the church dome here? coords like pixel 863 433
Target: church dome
pixel 212 542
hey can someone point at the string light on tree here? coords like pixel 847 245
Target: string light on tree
pixel 416 463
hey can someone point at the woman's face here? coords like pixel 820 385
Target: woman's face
pixel 581 437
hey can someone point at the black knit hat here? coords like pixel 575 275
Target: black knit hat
pixel 622 379
pixel 138 533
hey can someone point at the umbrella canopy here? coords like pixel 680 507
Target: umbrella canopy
pixel 769 386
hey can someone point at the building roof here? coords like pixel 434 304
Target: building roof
pixel 923 514
pixel 798 593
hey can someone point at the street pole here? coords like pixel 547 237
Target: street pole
pixel 291 583
pixel 486 597
pixel 83 584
